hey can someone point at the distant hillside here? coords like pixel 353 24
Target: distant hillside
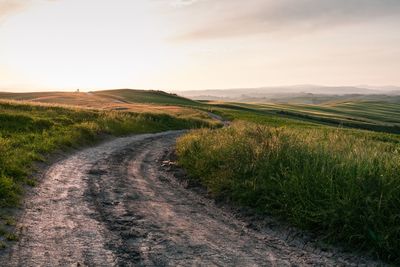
pixel 121 99
pixel 122 95
pixel 145 96
pixel 304 94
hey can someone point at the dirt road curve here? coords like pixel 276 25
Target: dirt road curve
pixel 112 205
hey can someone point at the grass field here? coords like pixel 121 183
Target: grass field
pixel 313 165
pixel 129 100
pixel 341 183
pixel 374 116
pixel 147 96
pixel 29 132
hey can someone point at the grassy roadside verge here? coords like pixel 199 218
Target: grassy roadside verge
pixel 343 184
pixel 28 132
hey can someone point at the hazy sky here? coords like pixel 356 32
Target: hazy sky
pixel 197 44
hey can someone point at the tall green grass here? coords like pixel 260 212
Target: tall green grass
pixel 29 132
pixel 340 183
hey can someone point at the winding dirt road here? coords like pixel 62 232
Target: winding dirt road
pixel 115 205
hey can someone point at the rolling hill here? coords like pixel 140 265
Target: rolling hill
pixel 120 99
pixel 145 96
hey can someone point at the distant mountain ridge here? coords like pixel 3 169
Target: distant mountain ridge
pixel 307 94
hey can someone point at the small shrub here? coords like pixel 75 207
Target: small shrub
pixel 11 237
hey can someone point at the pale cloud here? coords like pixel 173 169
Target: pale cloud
pixel 126 43
pixel 9 7
pixel 12 7
pixel 179 3
pixel 226 18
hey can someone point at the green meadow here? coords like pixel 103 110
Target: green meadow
pixel 367 115
pixel 333 168
pixel 30 132
pixel 147 96
pixel 339 182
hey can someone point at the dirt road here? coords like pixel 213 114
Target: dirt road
pixel 113 205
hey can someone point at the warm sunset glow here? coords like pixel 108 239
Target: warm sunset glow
pixel 177 44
